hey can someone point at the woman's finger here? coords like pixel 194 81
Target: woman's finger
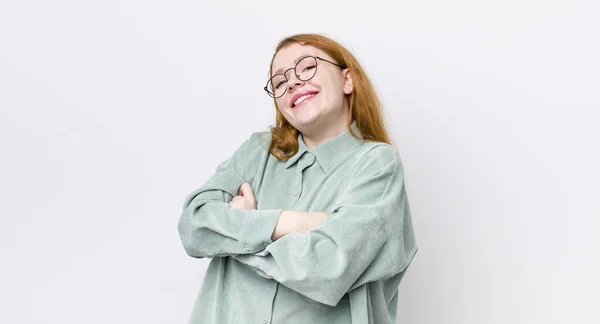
pixel 246 189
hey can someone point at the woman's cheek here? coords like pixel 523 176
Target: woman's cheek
pixel 281 104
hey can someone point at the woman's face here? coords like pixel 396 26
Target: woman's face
pixel 319 103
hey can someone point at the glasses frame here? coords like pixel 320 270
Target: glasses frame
pixel 316 58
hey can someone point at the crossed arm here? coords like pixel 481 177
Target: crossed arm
pixel 289 221
pixel 212 225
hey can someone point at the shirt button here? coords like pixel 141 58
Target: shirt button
pixel 295 192
pixel 309 155
pixel 247 248
pixel 264 321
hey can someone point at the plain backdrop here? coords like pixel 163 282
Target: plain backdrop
pixel 112 112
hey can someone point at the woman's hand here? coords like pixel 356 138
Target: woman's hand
pixel 245 198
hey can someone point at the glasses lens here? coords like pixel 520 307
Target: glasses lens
pixel 277 85
pixel 306 68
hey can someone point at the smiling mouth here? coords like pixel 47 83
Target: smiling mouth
pixel 303 99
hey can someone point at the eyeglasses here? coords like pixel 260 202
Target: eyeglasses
pixel 304 70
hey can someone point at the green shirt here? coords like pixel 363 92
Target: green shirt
pixel 346 270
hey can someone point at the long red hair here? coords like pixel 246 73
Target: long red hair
pixel 365 107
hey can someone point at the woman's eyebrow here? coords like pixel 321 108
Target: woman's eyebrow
pixel 295 62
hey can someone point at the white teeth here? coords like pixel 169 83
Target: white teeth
pixel 302 98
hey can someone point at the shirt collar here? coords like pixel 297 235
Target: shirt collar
pixel 332 151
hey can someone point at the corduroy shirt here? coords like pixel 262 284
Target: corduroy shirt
pixel 345 270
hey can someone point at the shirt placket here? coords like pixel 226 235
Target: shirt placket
pixel 306 161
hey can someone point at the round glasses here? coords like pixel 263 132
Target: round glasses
pixel 305 69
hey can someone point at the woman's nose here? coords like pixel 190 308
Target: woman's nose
pixel 293 81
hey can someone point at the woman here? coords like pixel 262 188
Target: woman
pixel 307 223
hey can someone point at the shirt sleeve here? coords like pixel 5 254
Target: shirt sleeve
pixel 367 236
pixel 209 227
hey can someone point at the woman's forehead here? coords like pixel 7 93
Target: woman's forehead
pixel 288 56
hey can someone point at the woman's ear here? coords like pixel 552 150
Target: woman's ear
pixel 348 83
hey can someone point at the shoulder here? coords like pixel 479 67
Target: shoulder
pixel 259 142
pixel 379 155
pixel 251 154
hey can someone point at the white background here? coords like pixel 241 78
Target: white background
pixel 113 111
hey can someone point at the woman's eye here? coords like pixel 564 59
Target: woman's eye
pixel 309 67
pixel 280 84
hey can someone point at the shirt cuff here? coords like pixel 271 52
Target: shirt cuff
pixel 258 227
